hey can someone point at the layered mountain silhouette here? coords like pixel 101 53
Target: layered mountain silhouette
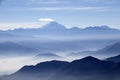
pixel 88 68
pixel 110 50
pixel 78 55
pixel 14 49
pixel 55 37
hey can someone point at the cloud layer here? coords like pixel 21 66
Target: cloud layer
pixel 11 26
pixel 48 5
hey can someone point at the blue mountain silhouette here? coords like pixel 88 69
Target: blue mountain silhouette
pixel 86 69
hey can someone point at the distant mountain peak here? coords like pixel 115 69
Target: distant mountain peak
pixel 54 25
pixel 47 55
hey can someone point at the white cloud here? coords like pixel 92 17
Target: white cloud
pixel 66 8
pixel 11 26
pixel 56 9
pixel 46 20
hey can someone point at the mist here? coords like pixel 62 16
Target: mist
pixel 10 65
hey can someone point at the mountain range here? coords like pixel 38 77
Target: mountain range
pixel 55 37
pixel 55 28
pixel 110 49
pixel 107 51
pixel 88 68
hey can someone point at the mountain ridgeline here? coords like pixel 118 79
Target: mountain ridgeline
pixel 55 28
pixel 88 68
pixel 115 59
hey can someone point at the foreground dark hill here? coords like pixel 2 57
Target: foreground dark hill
pixel 41 71
pixel 114 59
pixel 88 68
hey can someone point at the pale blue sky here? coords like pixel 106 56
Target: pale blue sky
pixel 80 13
